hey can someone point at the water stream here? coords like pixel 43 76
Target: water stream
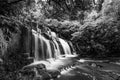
pixel 50 48
pixel 59 55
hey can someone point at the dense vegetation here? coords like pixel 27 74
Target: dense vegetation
pixel 93 27
pixel 97 34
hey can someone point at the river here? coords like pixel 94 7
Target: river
pixel 62 63
pixel 91 70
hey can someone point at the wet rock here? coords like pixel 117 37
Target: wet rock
pixel 40 67
pixel 41 71
pixel 37 72
pixel 54 73
pixel 44 75
pixel 118 78
pixel 95 65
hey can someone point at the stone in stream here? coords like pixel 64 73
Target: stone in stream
pixel 47 74
pixel 39 72
pixel 54 73
pixel 118 78
pixel 95 65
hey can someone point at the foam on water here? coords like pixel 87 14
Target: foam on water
pixel 43 48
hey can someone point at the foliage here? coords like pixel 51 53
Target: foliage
pixel 11 7
pixel 63 28
pixel 10 47
pixel 100 36
pixel 67 9
pixel 93 33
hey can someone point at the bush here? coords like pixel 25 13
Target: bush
pixel 101 36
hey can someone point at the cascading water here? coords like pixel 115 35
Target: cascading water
pixel 46 48
pixel 65 47
pixel 72 48
pixel 57 48
pixel 51 51
pixel 42 46
pixel 36 48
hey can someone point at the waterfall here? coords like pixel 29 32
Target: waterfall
pixel 42 47
pixel 56 44
pixel 57 48
pixel 65 46
pixel 36 48
pixel 72 48
pixel 49 46
pixel 35 36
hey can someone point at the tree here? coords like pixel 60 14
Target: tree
pixel 101 36
pixel 70 8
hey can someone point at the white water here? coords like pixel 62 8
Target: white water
pixel 43 49
pixel 74 52
pixel 53 34
pixel 58 49
pixel 36 48
pixel 48 48
pixel 66 47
